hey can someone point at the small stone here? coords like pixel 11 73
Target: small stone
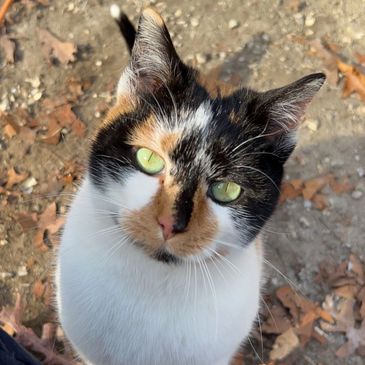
pixel 312 124
pixel 201 58
pixel 178 13
pixel 357 194
pixel 233 23
pixel 70 6
pixel 298 17
pixel 97 115
pixel 22 271
pixel 309 20
pixel 337 163
pixel 304 222
pixel 357 158
pixel 222 55
pixel 38 95
pixel 28 184
pixel 4 275
pixel 307 204
pixel 3 242
pixel 360 171
pixel 194 22
pixel 98 63
pixel 35 82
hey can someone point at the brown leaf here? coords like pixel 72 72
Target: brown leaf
pixel 53 135
pixel 15 178
pixel 8 47
pixel 53 48
pixel 277 321
pixel 346 291
pixel 289 191
pixel 67 118
pixel 9 131
pixel 297 304
pixel 320 201
pixel 38 289
pixel 284 345
pixel 357 267
pixel 313 186
pixel 48 223
pixel 354 80
pixel 27 220
pixel 342 186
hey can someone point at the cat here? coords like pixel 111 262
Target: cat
pixel 160 261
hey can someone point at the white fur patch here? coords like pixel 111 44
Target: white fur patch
pixel 135 192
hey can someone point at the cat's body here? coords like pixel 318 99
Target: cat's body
pixel 127 308
pixel 160 259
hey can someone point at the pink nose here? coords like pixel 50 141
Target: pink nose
pixel 167 227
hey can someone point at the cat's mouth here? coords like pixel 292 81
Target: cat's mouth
pixel 166 257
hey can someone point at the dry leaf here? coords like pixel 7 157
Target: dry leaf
pixel 288 191
pixel 53 48
pixel 345 323
pixel 53 135
pixel 67 118
pixel 9 131
pixel 27 220
pixel 342 186
pixel 38 289
pixel 10 320
pixel 277 321
pixel 313 186
pixel 320 201
pixel 357 267
pixel 48 223
pixel 15 178
pixel 8 47
pixel 354 80
pixel 284 345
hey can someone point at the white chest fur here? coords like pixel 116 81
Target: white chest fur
pixel 119 307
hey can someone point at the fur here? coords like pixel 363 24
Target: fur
pixel 125 293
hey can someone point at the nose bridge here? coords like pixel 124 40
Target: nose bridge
pixel 184 205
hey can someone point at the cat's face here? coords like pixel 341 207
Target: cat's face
pixel 189 170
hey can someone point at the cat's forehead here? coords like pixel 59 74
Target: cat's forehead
pixel 182 135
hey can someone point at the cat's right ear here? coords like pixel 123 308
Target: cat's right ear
pixel 154 62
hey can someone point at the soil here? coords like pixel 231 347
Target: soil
pixel 262 51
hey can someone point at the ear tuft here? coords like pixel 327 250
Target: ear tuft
pixel 283 109
pixel 154 61
pixel 287 104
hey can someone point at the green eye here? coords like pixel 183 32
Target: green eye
pixel 225 191
pixel 149 161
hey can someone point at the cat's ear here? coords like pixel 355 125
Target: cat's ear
pixel 154 61
pixel 283 109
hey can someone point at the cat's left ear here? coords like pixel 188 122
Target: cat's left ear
pixel 154 62
pixel 282 110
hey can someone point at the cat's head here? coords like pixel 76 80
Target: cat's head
pixel 187 166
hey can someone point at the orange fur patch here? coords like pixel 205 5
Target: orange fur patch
pixel 143 226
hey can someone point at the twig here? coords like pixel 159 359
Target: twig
pixel 4 8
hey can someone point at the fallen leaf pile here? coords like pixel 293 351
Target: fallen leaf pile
pixel 294 320
pixel 43 347
pixel 311 189
pixel 346 303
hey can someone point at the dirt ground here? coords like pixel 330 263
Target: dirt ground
pixel 264 44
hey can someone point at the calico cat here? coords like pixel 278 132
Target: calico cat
pixel 160 259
